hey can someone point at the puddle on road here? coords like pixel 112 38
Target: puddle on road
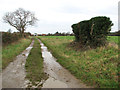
pixel 53 83
pixel 13 76
pixel 58 76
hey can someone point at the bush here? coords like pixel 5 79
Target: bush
pixel 92 32
pixel 8 37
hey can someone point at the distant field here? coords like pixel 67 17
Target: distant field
pixel 96 67
pixel 109 38
pixel 10 51
pixel 114 39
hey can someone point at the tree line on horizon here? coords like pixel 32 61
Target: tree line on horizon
pixel 55 34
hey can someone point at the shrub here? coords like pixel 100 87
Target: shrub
pixel 76 31
pixel 92 32
pixel 8 37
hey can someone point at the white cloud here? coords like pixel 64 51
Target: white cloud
pixel 59 15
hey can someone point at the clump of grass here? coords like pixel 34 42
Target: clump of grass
pixel 97 67
pixel 34 64
pixel 10 51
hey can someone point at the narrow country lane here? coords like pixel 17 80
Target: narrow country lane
pixel 13 76
pixel 58 76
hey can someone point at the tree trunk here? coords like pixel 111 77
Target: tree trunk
pixel 21 34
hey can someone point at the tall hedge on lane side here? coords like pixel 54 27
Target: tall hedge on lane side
pixel 92 32
pixel 76 31
pixel 101 28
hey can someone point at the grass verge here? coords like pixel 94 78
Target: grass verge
pixel 96 67
pixel 34 64
pixel 10 51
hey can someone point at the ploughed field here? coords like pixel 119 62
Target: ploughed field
pixel 95 67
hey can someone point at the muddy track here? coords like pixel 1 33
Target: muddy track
pixel 13 76
pixel 59 77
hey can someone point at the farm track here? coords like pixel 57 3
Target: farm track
pixel 59 77
pixel 13 76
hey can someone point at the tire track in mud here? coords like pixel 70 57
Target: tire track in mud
pixel 13 76
pixel 59 77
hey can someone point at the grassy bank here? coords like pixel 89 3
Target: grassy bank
pixel 97 67
pixel 10 51
pixel 34 64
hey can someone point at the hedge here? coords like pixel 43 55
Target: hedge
pixel 93 32
pixel 8 38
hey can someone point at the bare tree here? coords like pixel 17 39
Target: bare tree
pixel 20 19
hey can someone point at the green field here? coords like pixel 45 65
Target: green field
pixel 95 67
pixel 113 39
pixel 10 51
pixel 34 64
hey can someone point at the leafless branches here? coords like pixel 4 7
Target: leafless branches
pixel 20 19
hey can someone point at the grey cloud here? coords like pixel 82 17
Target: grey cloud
pixel 75 10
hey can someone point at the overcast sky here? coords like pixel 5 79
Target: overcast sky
pixel 59 15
